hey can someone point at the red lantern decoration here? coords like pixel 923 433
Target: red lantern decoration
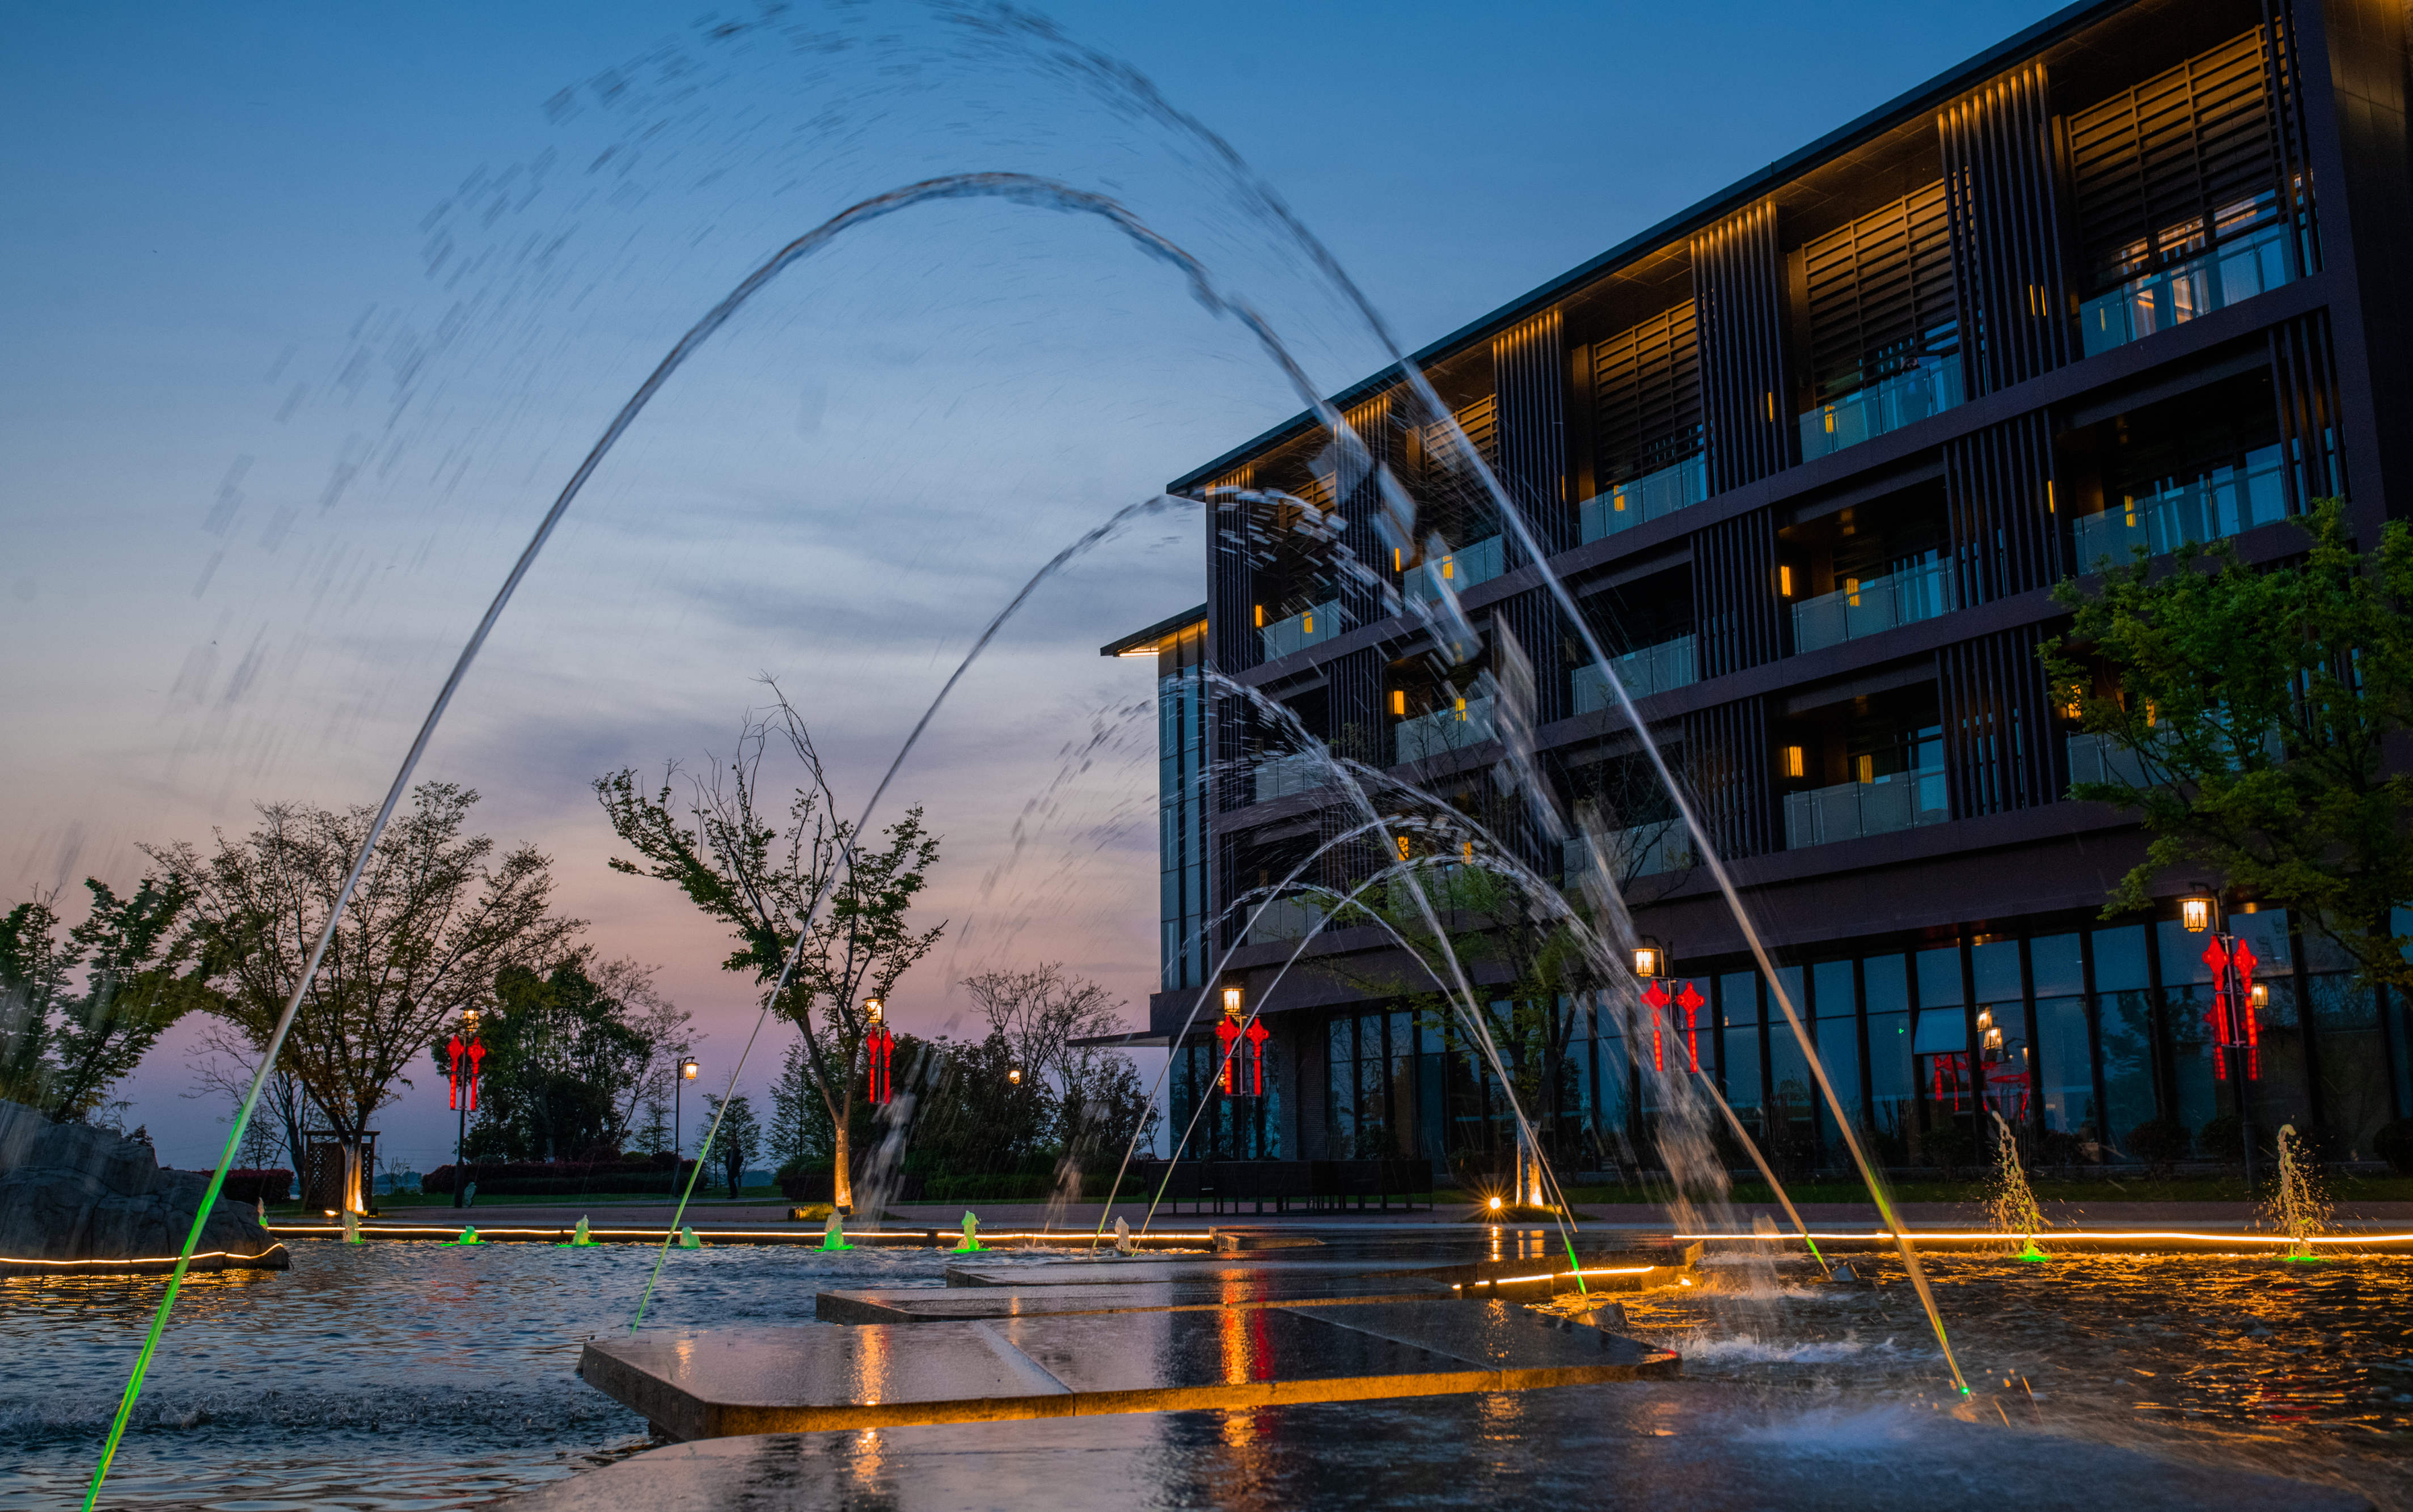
pixel 1228 1035
pixel 452 1079
pixel 1257 1037
pixel 1655 998
pixel 2244 963
pixel 1692 1002
pixel 477 1054
pixel 879 1054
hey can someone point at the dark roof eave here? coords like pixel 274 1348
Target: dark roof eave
pixel 1934 92
pixel 1155 631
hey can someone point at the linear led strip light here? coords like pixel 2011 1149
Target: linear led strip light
pixel 155 1259
pixel 1564 1275
pixel 1925 1236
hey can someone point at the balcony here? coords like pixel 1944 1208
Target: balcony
pixel 1312 627
pixel 1651 496
pixel 2231 271
pixel 1461 569
pixel 2226 503
pixel 1888 404
pixel 1466 724
pixel 1847 810
pixel 1643 850
pixel 2099 758
pixel 1653 669
pixel 1864 606
pixel 1284 918
pixel 1283 776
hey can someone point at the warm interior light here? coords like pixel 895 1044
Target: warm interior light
pixel 1307 622
pixel 1851 591
pixel 1796 763
pixel 1143 650
pixel 1466 850
pixel 1399 700
pixel 1784 580
pixel 2196 914
pixel 1865 768
pixel 1403 847
pixel 1261 616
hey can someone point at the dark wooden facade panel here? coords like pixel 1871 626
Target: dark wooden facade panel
pixel 2003 178
pixel 1353 692
pixel 1647 395
pixel 2007 536
pixel 1232 644
pixel 2291 147
pixel 1361 507
pixel 2160 169
pixel 1529 369
pixel 1727 765
pixel 2002 748
pixel 1880 292
pixel 1737 614
pixel 2303 378
pixel 1739 287
pixel 1533 620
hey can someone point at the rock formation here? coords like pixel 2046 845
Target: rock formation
pixel 74 1198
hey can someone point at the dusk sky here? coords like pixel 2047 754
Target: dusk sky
pixel 306 315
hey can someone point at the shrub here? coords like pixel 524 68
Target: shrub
pixel 2224 1139
pixel 1948 1147
pixel 2393 1144
pixel 2160 1143
pixel 561 1178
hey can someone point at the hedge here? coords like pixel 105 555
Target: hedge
pixel 258 1187
pixel 562 1178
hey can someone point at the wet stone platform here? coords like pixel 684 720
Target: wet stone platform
pixel 1652 1444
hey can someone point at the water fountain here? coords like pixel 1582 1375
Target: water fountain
pixel 2296 1206
pixel 2013 1209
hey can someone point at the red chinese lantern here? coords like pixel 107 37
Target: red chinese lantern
pixel 1228 1035
pixel 452 1079
pixel 477 1052
pixel 1257 1037
pixel 1655 997
pixel 1692 1002
pixel 879 1054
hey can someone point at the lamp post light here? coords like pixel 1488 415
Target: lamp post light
pixel 2237 1002
pixel 1013 1075
pixel 687 1070
pixel 1650 959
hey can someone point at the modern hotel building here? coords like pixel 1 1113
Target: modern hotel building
pixel 1811 456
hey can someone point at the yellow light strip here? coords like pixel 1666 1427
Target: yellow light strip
pixel 1058 1238
pixel 160 1259
pixel 1562 1276
pixel 1915 1235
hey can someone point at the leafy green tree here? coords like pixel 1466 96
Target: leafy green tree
pixel 2253 710
pixel 561 1069
pixel 760 874
pixel 434 922
pixel 973 1119
pixel 739 1138
pixel 62 1051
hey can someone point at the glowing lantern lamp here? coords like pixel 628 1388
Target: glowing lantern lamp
pixel 1013 1077
pixel 2195 912
pixel 1649 960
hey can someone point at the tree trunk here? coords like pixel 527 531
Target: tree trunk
pixel 842 1172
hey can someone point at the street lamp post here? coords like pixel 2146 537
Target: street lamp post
pixel 2236 999
pixel 687 1070
pixel 461 1044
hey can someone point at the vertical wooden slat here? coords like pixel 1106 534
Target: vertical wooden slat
pixel 1746 396
pixel 1736 611
pixel 1361 503
pixel 2004 184
pixel 2303 381
pixel 1647 396
pixel 1726 762
pixel 1880 293
pixel 2291 152
pixel 1529 376
pixel 1999 490
pixel 2002 748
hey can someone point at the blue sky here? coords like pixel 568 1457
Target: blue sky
pixel 306 311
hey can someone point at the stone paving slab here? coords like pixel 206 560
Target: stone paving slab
pixel 1611 1446
pixel 737 1381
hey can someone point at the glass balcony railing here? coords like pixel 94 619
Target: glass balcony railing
pixel 1847 810
pixel 2226 503
pixel 1888 404
pixel 1461 569
pixel 1282 776
pixel 1652 669
pixel 1643 850
pixel 1650 497
pixel 1311 627
pixel 2099 758
pixel 1284 918
pixel 2230 271
pixel 1467 723
pixel 1864 606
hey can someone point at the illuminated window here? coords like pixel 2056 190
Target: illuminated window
pixel 1466 850
pixel 1865 768
pixel 1449 567
pixel 1403 847
pixel 1399 700
pixel 1398 560
pixel 2050 508
pixel 1785 581
pixel 1461 711
pixel 1307 621
pixel 1794 763
pixel 1261 616
pixel 1852 591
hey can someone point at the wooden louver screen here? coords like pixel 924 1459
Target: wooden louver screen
pixel 1480 421
pixel 2189 150
pixel 1881 293
pixel 1647 383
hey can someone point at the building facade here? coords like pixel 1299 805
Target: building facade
pixel 1810 457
